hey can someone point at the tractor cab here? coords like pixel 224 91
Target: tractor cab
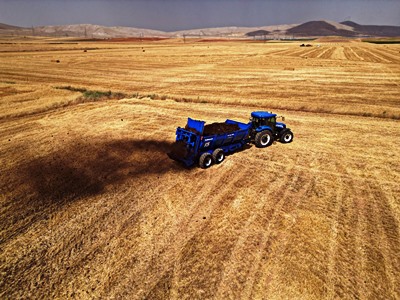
pixel 262 120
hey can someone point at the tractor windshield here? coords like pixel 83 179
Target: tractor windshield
pixel 263 121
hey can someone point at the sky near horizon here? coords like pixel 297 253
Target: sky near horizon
pixel 172 15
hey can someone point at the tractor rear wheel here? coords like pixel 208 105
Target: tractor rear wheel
pixel 263 139
pixel 218 155
pixel 286 137
pixel 205 160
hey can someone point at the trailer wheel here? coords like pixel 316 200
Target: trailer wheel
pixel 286 137
pixel 218 155
pixel 263 139
pixel 205 160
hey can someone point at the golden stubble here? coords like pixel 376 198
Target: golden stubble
pixel 92 207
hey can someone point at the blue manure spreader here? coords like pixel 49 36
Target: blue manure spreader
pixel 208 144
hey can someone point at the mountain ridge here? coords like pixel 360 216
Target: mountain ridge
pixel 8 26
pixel 319 28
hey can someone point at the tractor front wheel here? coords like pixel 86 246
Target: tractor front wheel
pixel 205 160
pixel 286 137
pixel 263 139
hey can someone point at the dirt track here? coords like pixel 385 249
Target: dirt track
pixel 92 207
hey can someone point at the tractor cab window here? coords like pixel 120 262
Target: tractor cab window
pixel 256 122
pixel 271 122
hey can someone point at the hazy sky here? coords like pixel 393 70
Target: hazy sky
pixel 171 15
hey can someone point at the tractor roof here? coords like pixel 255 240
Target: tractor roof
pixel 262 114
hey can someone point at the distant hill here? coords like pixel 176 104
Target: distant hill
pixel 9 27
pixel 345 29
pixel 258 33
pixel 96 31
pixel 82 30
pixel 309 29
pixel 231 31
pixel 322 28
pixel 374 30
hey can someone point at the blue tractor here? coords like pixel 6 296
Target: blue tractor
pixel 208 144
pixel 265 129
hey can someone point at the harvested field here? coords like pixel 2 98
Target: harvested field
pixel 92 206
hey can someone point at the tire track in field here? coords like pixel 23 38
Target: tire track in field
pixel 178 272
pixel 141 270
pixel 276 52
pixel 219 207
pixel 258 279
pixel 171 259
pixel 131 226
pixel 346 285
pixel 334 173
pixel 286 52
pixel 359 58
pixel 385 243
pixel 250 272
pixel 360 242
pixel 207 251
pixel 390 57
pixel 333 245
pixel 349 269
pixel 323 52
pixel 360 248
pixel 148 247
pixel 363 54
pixel 311 53
pixel 350 55
pixel 130 221
pixel 327 54
pixel 379 57
pixel 294 52
pixel 126 219
pixel 242 266
pixel 369 56
pixel 338 286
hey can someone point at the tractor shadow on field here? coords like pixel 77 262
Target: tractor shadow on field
pixel 45 184
pixel 86 169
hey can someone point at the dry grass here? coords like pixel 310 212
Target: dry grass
pixel 329 78
pixel 92 207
